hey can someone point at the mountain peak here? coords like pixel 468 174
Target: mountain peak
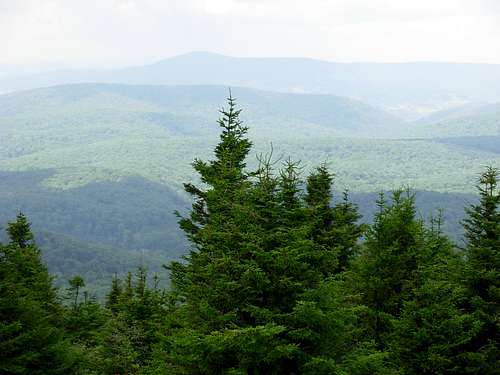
pixel 196 55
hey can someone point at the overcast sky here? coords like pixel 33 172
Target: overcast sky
pixel 105 33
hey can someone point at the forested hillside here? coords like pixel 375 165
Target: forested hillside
pixel 89 133
pixel 107 228
pixel 402 88
pixel 278 278
pixel 481 124
pixel 102 165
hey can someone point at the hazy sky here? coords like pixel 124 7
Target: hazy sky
pixel 77 33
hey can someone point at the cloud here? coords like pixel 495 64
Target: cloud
pixel 124 32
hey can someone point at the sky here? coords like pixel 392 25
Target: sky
pixel 50 34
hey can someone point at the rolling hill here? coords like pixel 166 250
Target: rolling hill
pixel 410 90
pixel 99 168
pixel 485 143
pixel 96 132
pixel 186 109
pixel 108 228
pixel 468 110
pixel 475 124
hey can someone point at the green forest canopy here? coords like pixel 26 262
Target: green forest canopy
pixel 277 281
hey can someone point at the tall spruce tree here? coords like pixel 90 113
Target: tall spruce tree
pixel 482 276
pixel 432 325
pixel 247 291
pixel 208 277
pixel 221 277
pixel 385 269
pixel 334 227
pixel 20 232
pixel 30 340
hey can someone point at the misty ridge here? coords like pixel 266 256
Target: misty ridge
pixel 410 90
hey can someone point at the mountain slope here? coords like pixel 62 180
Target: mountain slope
pixel 99 168
pixel 467 110
pixel 110 228
pixel 485 143
pixel 409 89
pixel 95 132
pixel 179 107
pixel 483 124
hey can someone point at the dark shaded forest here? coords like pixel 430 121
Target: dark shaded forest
pixel 105 229
pixel 279 279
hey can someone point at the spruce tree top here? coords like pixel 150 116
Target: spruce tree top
pixel 20 231
pixel 230 153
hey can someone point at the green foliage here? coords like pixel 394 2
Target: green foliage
pixel 75 285
pixel 336 228
pixel 96 230
pixel 482 276
pixel 432 325
pixel 125 342
pixel 384 272
pixel 99 168
pixel 20 232
pixel 89 133
pixel 261 250
pixel 482 124
pixel 277 281
pixel 30 340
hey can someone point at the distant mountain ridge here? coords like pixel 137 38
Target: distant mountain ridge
pixel 185 108
pixel 410 90
pixel 466 121
pixel 468 110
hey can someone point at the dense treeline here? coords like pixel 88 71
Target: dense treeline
pixel 108 228
pixel 127 215
pixel 278 280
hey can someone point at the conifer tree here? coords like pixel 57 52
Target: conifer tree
pixel 20 232
pixel 225 175
pixel 247 289
pixel 334 227
pixel 385 269
pixel 84 318
pixel 30 340
pixel 208 280
pixel 432 325
pixel 125 341
pixel 482 276
pixel 346 230
pixel 76 283
pixel 114 296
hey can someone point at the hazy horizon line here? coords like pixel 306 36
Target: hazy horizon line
pixel 31 69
